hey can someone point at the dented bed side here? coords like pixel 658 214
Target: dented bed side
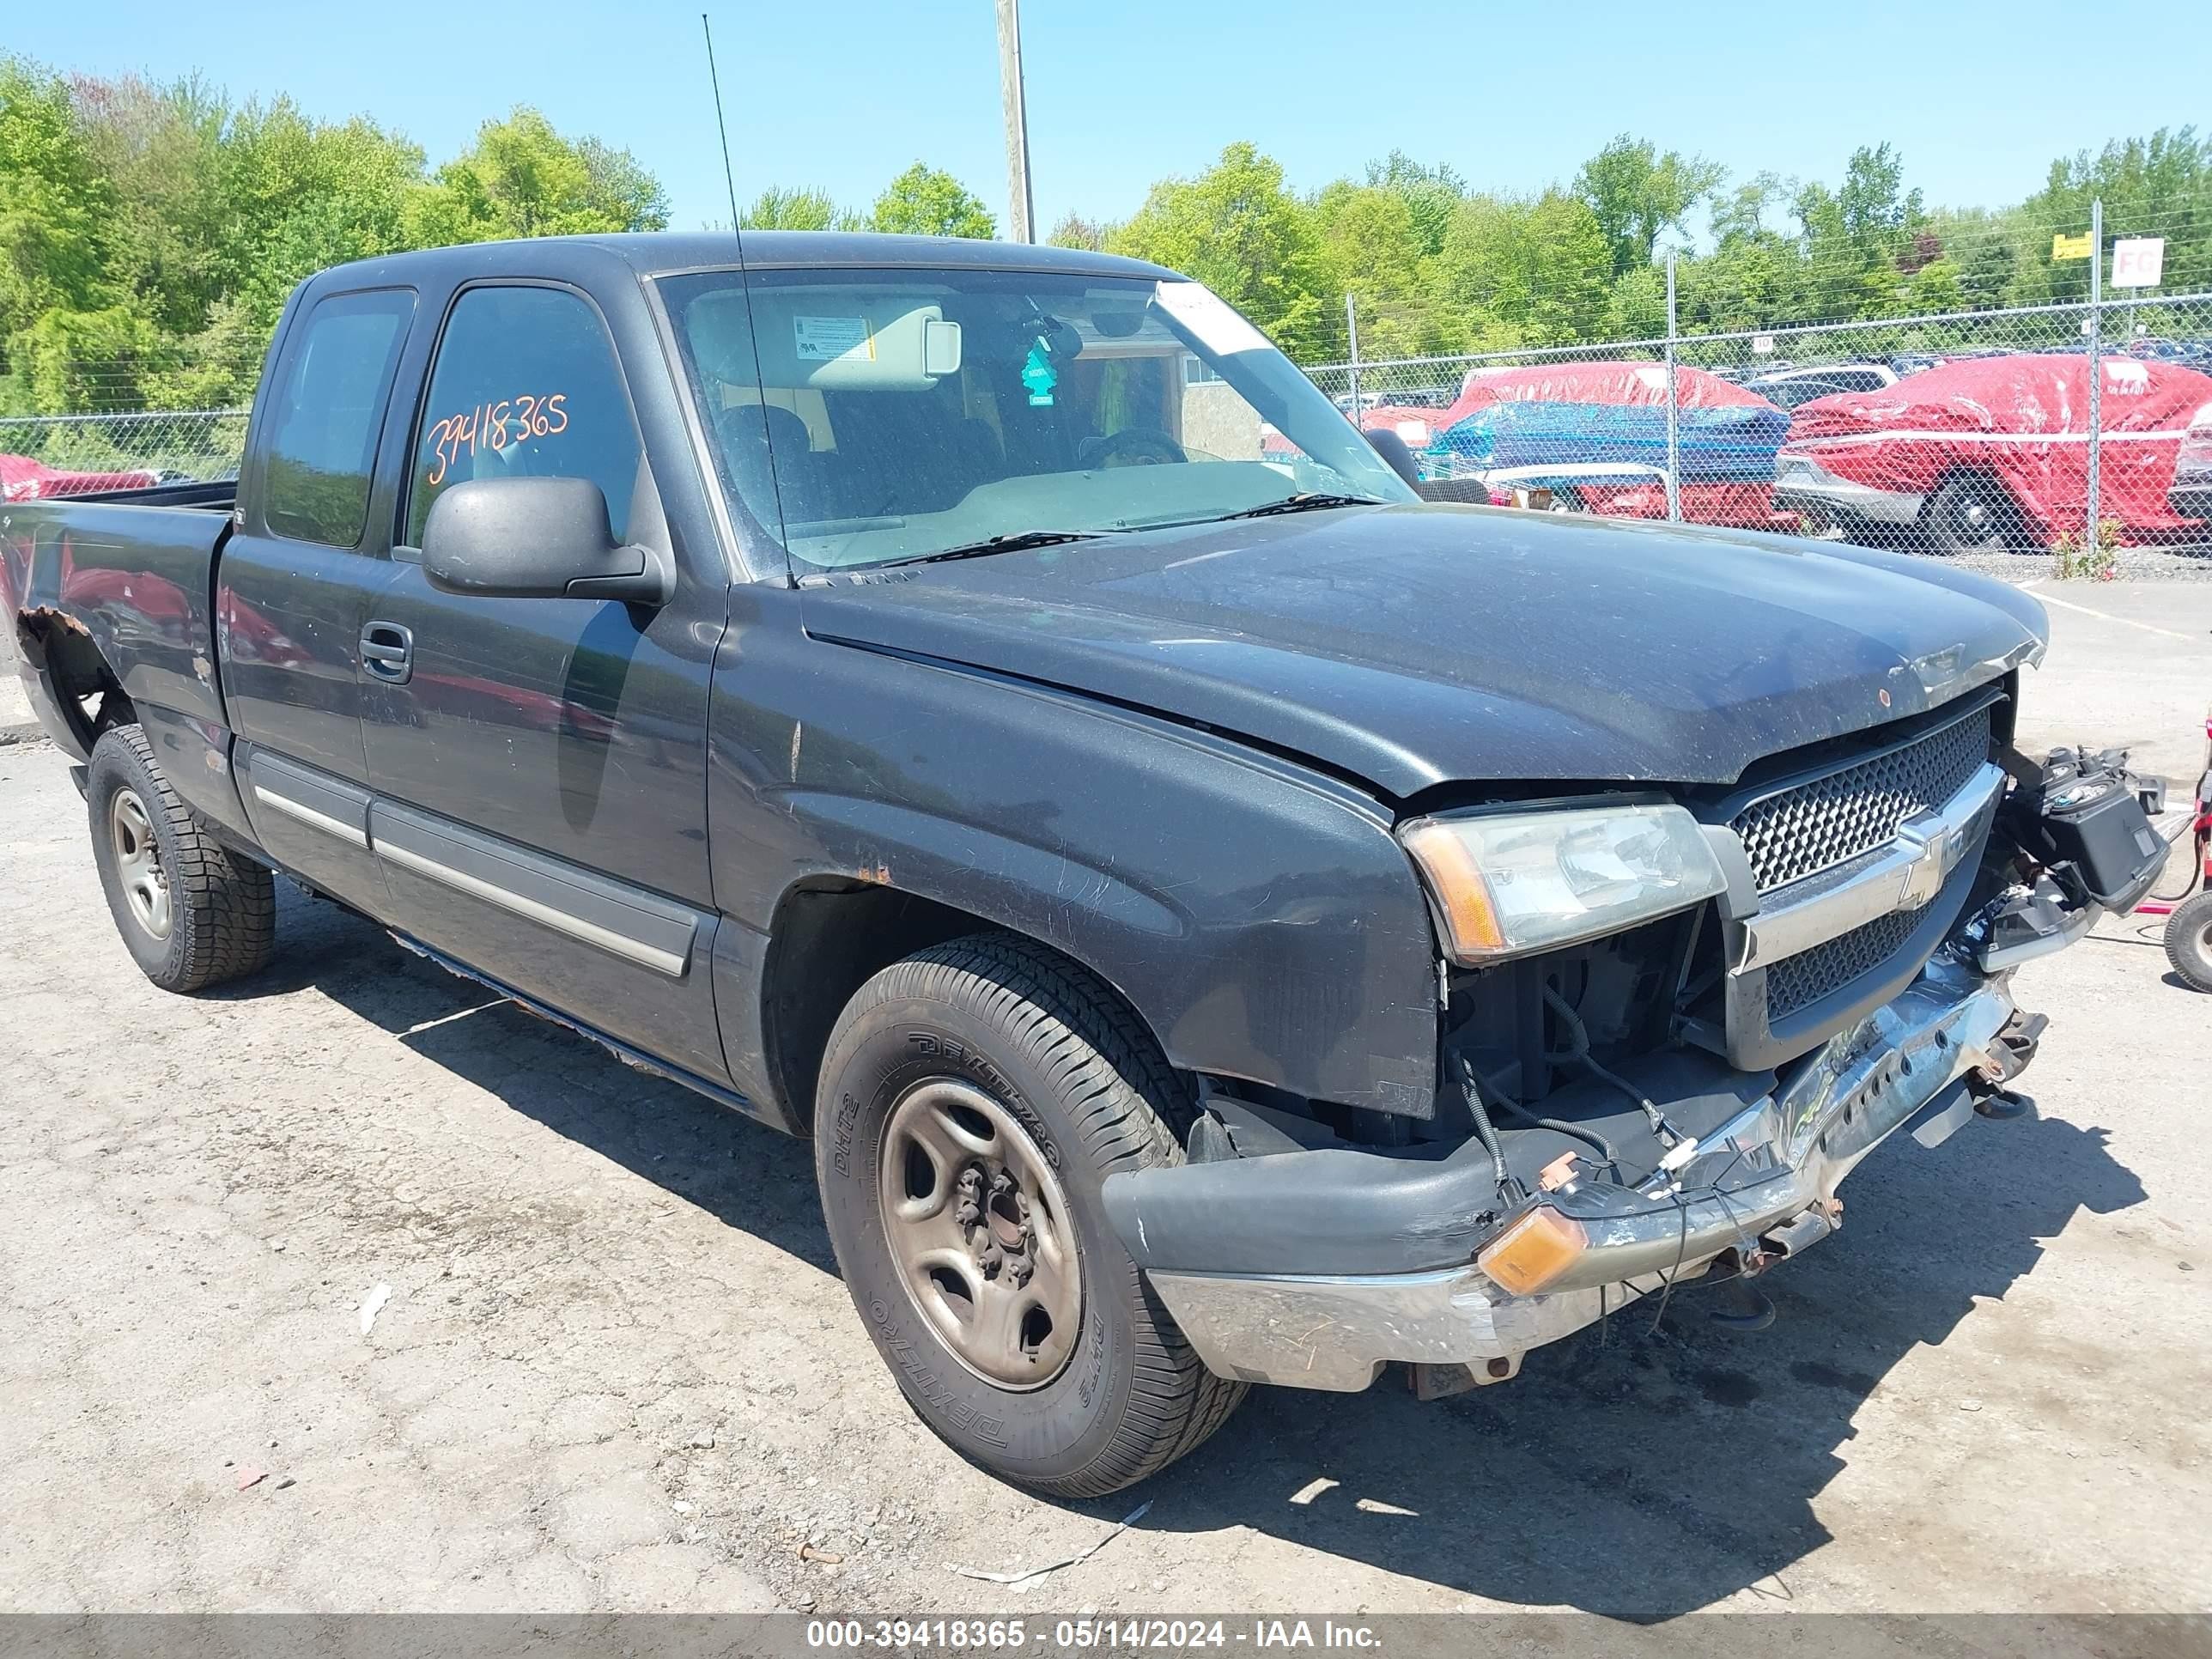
pixel 115 598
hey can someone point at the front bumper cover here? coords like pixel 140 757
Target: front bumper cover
pixel 1326 1313
pixel 1802 484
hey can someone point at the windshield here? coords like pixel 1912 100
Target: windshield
pixel 866 418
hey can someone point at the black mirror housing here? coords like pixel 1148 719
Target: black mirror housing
pixel 521 538
pixel 1395 453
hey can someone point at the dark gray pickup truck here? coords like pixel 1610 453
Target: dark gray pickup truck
pixel 1220 918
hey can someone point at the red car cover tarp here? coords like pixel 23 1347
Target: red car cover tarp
pixel 1600 382
pixel 2025 421
pixel 22 479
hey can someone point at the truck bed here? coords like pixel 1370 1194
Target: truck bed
pixel 131 574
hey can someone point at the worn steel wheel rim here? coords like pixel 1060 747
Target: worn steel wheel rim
pixel 138 862
pixel 980 1234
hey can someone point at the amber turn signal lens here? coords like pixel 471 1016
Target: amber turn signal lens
pixel 1533 1251
pixel 1461 891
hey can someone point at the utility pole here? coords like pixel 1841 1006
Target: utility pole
pixel 1674 406
pixel 2096 371
pixel 1021 207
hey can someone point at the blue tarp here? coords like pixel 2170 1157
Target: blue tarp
pixel 1734 444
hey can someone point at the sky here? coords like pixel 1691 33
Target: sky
pixel 841 95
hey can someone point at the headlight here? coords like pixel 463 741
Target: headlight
pixel 1506 884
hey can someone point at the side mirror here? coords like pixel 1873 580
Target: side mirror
pixel 1395 453
pixel 524 538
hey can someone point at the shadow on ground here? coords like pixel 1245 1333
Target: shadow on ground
pixel 1642 1469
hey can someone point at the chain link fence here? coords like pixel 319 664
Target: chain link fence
pixel 2080 435
pixel 46 455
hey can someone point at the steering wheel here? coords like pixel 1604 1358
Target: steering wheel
pixel 1133 445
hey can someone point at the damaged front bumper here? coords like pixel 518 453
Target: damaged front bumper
pixel 1312 1269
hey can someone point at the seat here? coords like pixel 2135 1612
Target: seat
pixel 780 477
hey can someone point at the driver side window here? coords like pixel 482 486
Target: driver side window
pixel 526 384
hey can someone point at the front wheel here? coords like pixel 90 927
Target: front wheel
pixel 2189 941
pixel 974 1098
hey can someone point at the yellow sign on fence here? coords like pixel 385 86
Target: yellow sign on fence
pixel 2069 247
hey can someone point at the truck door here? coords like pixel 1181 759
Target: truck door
pixel 539 764
pixel 294 583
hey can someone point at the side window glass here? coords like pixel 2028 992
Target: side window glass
pixel 329 400
pixel 526 386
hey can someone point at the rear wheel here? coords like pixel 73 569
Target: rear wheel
pixel 191 912
pixel 974 1098
pixel 2189 941
pixel 1970 512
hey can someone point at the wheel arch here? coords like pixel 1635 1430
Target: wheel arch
pixel 830 936
pixel 80 689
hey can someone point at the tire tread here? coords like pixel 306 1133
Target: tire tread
pixel 224 904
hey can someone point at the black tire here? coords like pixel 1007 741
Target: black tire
pixel 1971 513
pixel 1051 1048
pixel 2189 941
pixel 220 908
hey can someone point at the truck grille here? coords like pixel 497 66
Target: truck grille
pixel 1800 980
pixel 1811 827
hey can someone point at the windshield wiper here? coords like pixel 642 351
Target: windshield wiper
pixel 1305 502
pixel 1017 542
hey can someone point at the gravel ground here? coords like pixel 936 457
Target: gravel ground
pixel 15 720
pixel 616 1369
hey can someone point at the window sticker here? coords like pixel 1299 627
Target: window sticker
pixel 497 426
pixel 824 339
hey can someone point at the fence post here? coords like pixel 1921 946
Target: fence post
pixel 2096 368
pixel 1674 422
pixel 1351 339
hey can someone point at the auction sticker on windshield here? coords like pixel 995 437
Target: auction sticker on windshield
pixel 823 339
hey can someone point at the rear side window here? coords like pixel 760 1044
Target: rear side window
pixel 329 395
pixel 526 386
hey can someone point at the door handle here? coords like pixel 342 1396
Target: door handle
pixel 387 650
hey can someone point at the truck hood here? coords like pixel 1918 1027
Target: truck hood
pixel 1417 645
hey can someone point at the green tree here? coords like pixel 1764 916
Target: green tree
pixel 161 149
pixel 1860 239
pixel 1636 194
pixel 779 209
pixel 1754 276
pixel 1527 273
pixel 56 212
pixel 2160 185
pixel 924 202
pixel 1073 230
pixel 1236 228
pixel 1431 194
pixel 523 179
pixel 1371 247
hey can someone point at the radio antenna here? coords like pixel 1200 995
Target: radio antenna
pixel 729 178
pixel 752 325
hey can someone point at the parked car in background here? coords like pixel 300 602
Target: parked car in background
pixel 1787 388
pixel 1593 437
pixel 1986 454
pixel 2194 354
pixel 23 479
pixel 2192 494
